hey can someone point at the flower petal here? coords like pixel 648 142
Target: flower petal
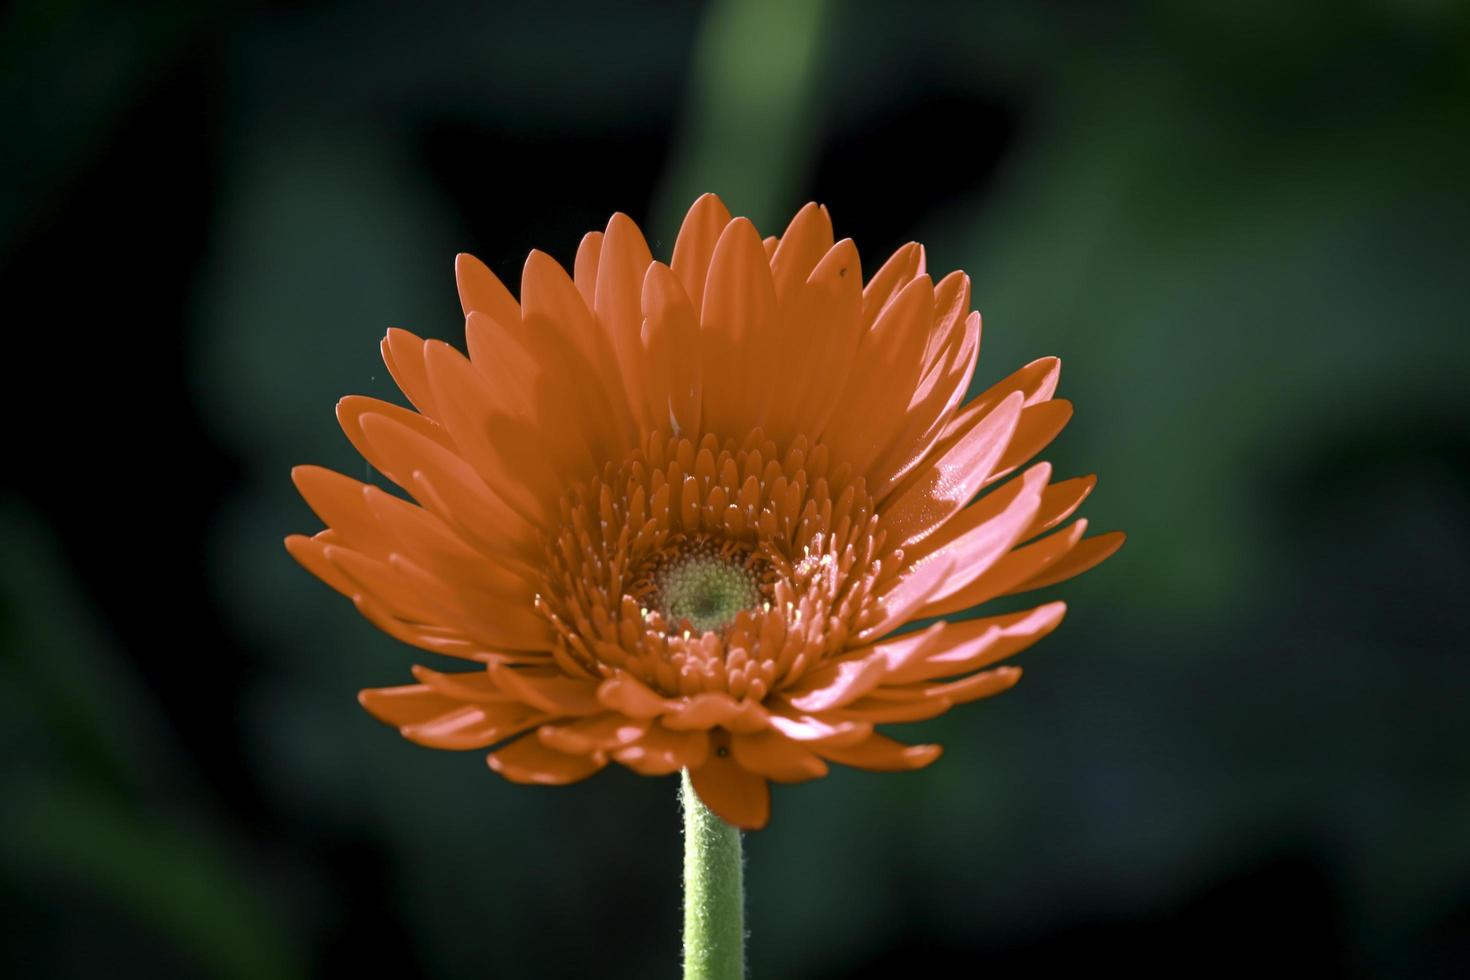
pixel 527 760
pixel 479 289
pixel 737 313
pixel 595 733
pixel 942 488
pixel 882 754
pixel 776 757
pixel 660 751
pixel 738 796
pixel 695 244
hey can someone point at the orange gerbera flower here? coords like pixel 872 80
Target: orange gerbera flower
pixel 677 514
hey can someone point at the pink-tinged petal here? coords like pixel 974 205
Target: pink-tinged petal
pixel 982 685
pixel 1059 502
pixel 716 708
pixel 809 728
pixel 834 685
pixel 526 760
pixel 1089 553
pixel 736 795
pixel 881 712
pixel 660 751
pixel 632 697
pixel 906 596
pixel 1037 381
pixel 982 545
pixel 958 648
pixel 1011 571
pixel 597 733
pixel 479 289
pixel 940 490
pixel 882 754
pixel 1038 426
pixel 695 245
pixel 777 757
pixel 982 513
pixel 547 690
pixel 935 402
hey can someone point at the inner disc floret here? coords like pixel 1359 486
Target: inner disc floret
pixel 705 589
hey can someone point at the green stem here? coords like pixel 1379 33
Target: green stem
pixel 714 893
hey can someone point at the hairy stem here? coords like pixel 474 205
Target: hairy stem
pixel 714 893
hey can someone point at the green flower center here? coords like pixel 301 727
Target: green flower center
pixel 708 591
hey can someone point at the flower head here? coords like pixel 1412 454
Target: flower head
pixel 677 515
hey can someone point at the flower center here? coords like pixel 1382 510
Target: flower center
pixel 705 590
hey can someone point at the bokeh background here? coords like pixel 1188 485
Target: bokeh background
pixel 1243 227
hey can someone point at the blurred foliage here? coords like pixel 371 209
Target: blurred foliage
pixel 1242 226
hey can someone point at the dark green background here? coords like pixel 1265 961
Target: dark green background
pixel 1242 226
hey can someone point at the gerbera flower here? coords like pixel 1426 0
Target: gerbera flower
pixel 677 516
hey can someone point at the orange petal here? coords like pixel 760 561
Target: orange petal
pixel 982 545
pixel 883 754
pixel 822 326
pixel 907 595
pixel 871 410
pixel 627 694
pixel 618 305
pixel 810 728
pixel 1038 426
pixel 958 648
pixel 900 269
pixel 660 751
pixel 947 484
pixel 1059 502
pixel 1089 553
pixel 1010 572
pixel 480 290
pixel 736 316
pixel 776 757
pixel 595 733
pixel 807 239
pixel 339 502
pixel 527 760
pixel 427 718
pixel 738 796
pixel 675 387
pixel 695 245
pixel 548 690
pixel 716 708
pixel 972 688
pixel 551 303
pixel 403 353
pixel 584 268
